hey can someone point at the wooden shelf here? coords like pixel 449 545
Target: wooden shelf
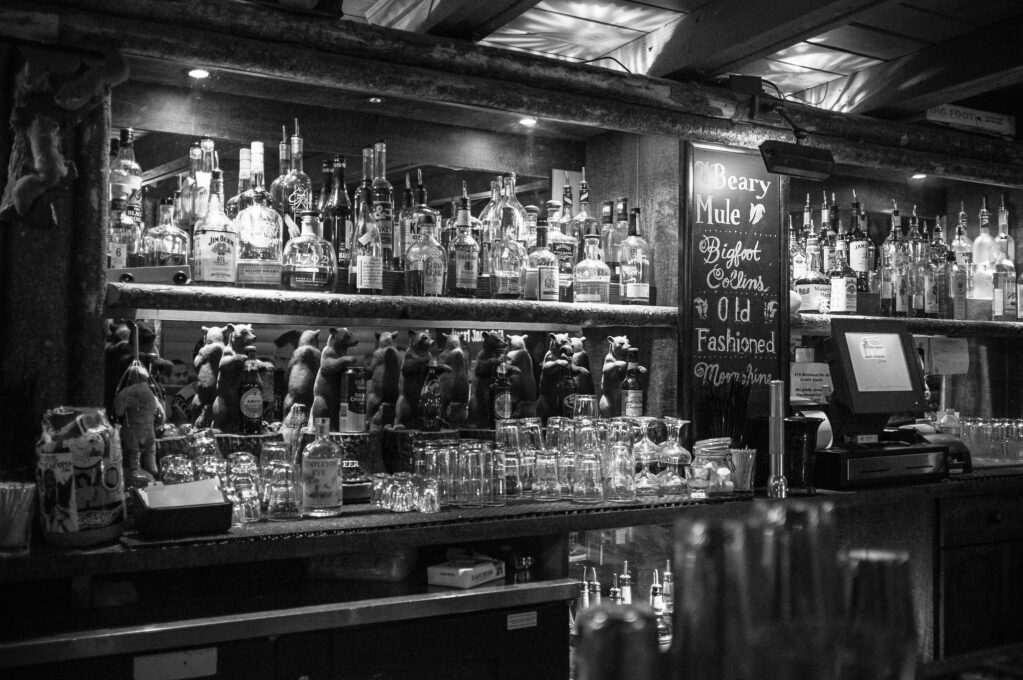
pixel 213 304
pixel 820 324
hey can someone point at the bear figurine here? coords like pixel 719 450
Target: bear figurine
pixel 454 384
pixel 333 364
pixel 413 372
pixel 557 360
pixel 494 351
pixel 384 376
pixel 523 380
pixel 215 342
pixel 610 404
pixel 581 368
pixel 226 409
pixel 302 369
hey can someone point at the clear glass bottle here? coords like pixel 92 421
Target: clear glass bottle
pixel 612 233
pixel 939 248
pixel 203 176
pixel 532 217
pixel 984 244
pixel 859 247
pixel 165 244
pixel 797 256
pixel 1004 303
pixel 464 253
pixel 423 216
pixel 827 234
pixel 814 288
pixel 564 247
pixel 126 176
pixel 843 286
pixel 367 274
pixel 922 277
pixel 309 261
pixel 321 474
pixel 512 214
pixel 915 242
pixel 260 232
pixel 541 280
pixel 426 263
pixel 935 287
pixel 811 242
pixel 296 189
pixel 591 277
pixel 958 286
pixel 491 223
pixel 892 245
pixel 406 216
pixel 634 266
pixel 215 243
pixel 337 214
pixel 383 210
pixel 283 168
pixel 239 201
pixel 962 245
pixel 662 622
pixel 326 185
pixel 1003 231
pixel 122 235
pixel 950 423
pixel 450 228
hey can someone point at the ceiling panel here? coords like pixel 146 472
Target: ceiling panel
pixel 561 34
pixel 913 22
pixel 823 58
pixel 868 42
pixel 788 77
pixel 675 5
pixel 972 12
pixel 616 12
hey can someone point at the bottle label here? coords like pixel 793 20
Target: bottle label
pixel 1010 301
pixel 321 483
pixel 930 295
pixel 637 291
pixel 997 305
pixel 298 199
pixel 859 256
pixel 530 282
pixel 215 259
pixel 851 302
pixel 433 277
pixel 259 273
pixel 305 278
pixel 371 273
pixel 886 290
pixel 466 268
pixel 901 299
pixel 503 406
pixel 565 253
pixel 117 255
pixel 838 303
pixel 547 283
pixel 959 296
pixel 828 256
pixel 798 267
pixel 251 403
pixel 632 403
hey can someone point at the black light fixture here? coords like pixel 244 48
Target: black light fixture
pixel 795 159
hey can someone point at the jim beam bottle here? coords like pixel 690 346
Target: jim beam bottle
pixel 216 240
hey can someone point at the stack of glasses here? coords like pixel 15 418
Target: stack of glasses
pixel 994 441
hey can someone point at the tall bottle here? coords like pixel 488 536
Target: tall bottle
pixel 464 253
pixel 962 245
pixel 541 279
pixel 1004 303
pixel 366 184
pixel 509 258
pixel 215 242
pixel 425 260
pixel 296 189
pixel 336 217
pixel 490 218
pixel 428 410
pixel 250 395
pixel 939 248
pixel 326 184
pixel 591 277
pixel 367 272
pixel 564 247
pixel 563 220
pixel 634 265
pixel 277 197
pixel 797 256
pixel 891 247
pixel 810 238
pixel 984 244
pixel 165 244
pixel 321 474
pixel 611 237
pixel 383 210
pixel 501 403
pixel 260 232
pixel 814 287
pixel 843 286
pixel 981 272
pixel 632 386
pixel 186 185
pixel 957 286
pixel 405 220
pixel 122 236
pixel 827 234
pixel 663 623
pixel 239 201
pixel 859 247
pixel 203 177
pixel 309 261
pixel 1003 230
pixel 915 241
pixel 513 215
pixel 126 176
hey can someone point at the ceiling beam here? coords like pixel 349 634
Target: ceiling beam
pixel 940 74
pixel 470 20
pixel 723 35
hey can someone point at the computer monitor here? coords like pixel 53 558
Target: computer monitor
pixel 876 372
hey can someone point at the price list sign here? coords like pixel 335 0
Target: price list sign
pixel 736 298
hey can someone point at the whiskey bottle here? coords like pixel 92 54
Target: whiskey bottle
pixel 165 244
pixel 564 218
pixel 1004 303
pixel 827 234
pixel 962 245
pixel 309 261
pixel 843 286
pixel 203 177
pixel 859 247
pixel 122 236
pixel 1003 231
pixel 811 240
pixel 215 242
pixel 984 244
pixel 564 247
pixel 428 410
pixel 426 261
pixel 126 176
pixel 814 288
pixel 797 256
pixel 336 217
pixel 541 280
pixel 321 474
pixel 277 197
pixel 464 254
pixel 383 209
pixel 367 274
pixel 250 395
pixel 957 286
pixel 591 277
pixel 260 232
pixel 235 204
pixel 406 216
pixel 296 189
pixel 634 267
pixel 632 386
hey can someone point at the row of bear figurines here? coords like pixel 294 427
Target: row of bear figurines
pixel 396 375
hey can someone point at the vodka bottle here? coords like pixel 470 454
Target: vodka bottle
pixel 321 474
pixel 891 247
pixel 368 272
pixel 464 254
pixel 591 277
pixel 405 220
pixel 236 203
pixel 296 189
pixel 260 232
pixel 426 263
pixel 1004 302
pixel 1003 230
pixel 383 210
pixel 962 245
pixel 634 265
pixel 984 244
pixel 309 262
pixel 336 217
pixel 283 168
pixel 611 237
pixel 215 242
pixel 957 286
pixel 365 185
pixel 532 217
pixel 915 242
pixel 166 244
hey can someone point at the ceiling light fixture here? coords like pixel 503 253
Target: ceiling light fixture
pixel 198 73
pixel 918 175
pixel 375 100
pixel 528 121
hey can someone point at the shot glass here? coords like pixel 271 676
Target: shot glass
pixel 243 474
pixel 176 469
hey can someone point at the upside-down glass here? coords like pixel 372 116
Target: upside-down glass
pixel 585 406
pixel 437 464
pixel 530 445
pixel 620 484
pixel 243 476
pixel 546 484
pixel 176 469
pixel 468 476
pixel 270 453
pixel 561 442
pixel 494 474
pixel 587 479
pixel 675 457
pixel 647 454
pixel 282 492
pixel 506 440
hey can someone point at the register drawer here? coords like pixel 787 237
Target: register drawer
pixel 975 520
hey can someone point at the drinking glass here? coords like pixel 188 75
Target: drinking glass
pixel 494 473
pixel 587 479
pixel 203 443
pixel 561 442
pixel 530 445
pixel 211 466
pixel 243 475
pixel 647 455
pixel 403 493
pixel 469 475
pixel 745 461
pixel 427 494
pixel 506 439
pixel 436 465
pixel 621 469
pixel 271 452
pixel 585 406
pixel 546 485
pixel 671 481
pixel 380 481
pixel 176 469
pixel 282 493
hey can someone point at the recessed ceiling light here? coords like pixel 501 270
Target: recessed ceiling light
pixel 918 175
pixel 528 121
pixel 375 100
pixel 198 73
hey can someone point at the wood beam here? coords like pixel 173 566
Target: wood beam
pixel 723 35
pixel 940 74
pixel 463 19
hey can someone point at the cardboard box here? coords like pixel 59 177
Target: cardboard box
pixel 465 573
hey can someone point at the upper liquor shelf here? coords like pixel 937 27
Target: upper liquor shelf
pixel 820 324
pixel 203 303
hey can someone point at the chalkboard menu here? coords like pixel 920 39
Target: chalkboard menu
pixel 735 298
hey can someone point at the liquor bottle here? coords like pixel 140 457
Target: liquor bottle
pixel 595 589
pixel 464 255
pixel 612 234
pixel 950 423
pixel 901 286
pixel 508 261
pixel 615 592
pixel 632 386
pixel 428 411
pixel 513 215
pixel 957 286
pixel 326 185
pixel 668 588
pixel 367 274
pixel 814 288
pixel 296 189
pixel 662 621
pixel 500 394
pixel 1004 303
pixel 383 210
pixel 115 146
pixel 165 244
pixel 532 218
pixel 922 287
pixel 126 176
pixel 859 247
pixel 564 218
pixel 634 265
pixel 450 229
pixel 491 221
pixel 541 280
pixel 321 474
pixel 1019 296
pixel 277 197
pixel 122 233
pixel 915 242
pixel 827 234
pixel 235 204
pixel 426 261
pixel 336 217
pixel 984 244
pixel 1003 231
pixel 583 217
pixel 892 244
pixel 564 389
pixel 203 177
pixel 934 289
pixel 625 581
pixel 961 245
pixel 181 207
pixel 841 235
pixel 811 241
pixel 564 247
pixel 939 248
pixel 843 286
pixel 309 262
pixel 406 216
pixel 186 185
pixel 591 277
pixel 260 232
pixel 215 243
pixel 797 256
pixel 250 395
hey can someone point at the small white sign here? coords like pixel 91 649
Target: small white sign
pixel 810 381
pixel 523 620
pixel 972 119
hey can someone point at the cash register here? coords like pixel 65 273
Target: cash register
pixel 876 372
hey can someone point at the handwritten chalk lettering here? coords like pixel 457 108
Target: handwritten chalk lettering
pixel 733 341
pixel 706 213
pixel 718 278
pixel 716 176
pixel 742 309
pixel 714 251
pixel 710 373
